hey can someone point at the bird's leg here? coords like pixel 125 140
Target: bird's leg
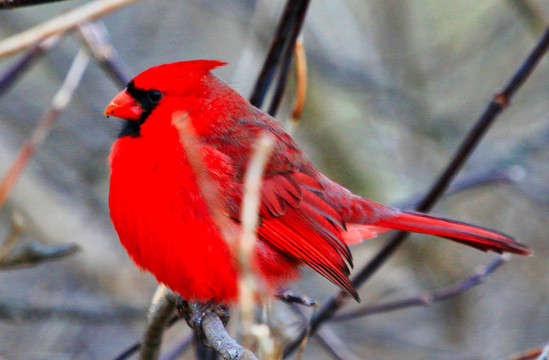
pixel 289 298
pixel 194 312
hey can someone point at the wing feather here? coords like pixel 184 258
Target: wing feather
pixel 299 224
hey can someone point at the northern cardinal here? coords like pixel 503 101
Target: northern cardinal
pixel 305 218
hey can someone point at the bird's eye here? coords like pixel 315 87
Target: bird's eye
pixel 154 96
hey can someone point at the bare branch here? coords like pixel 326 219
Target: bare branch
pixel 97 40
pixel 17 69
pixel 301 80
pixel 430 298
pixel 508 174
pixel 287 57
pixel 219 339
pixel 42 129
pixel 248 282
pixel 34 253
pixel 160 313
pixel 333 343
pixel 288 28
pixel 62 23
pixel 132 349
pixel 13 4
pixel 327 338
pixel 91 311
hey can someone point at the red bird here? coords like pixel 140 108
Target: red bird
pixel 305 218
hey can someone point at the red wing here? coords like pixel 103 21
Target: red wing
pixel 299 224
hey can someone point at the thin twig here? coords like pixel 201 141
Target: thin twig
pixel 333 343
pixel 287 57
pixel 496 106
pixel 59 24
pixel 160 313
pixel 248 282
pixel 219 339
pixel 132 349
pixel 18 309
pixel 428 299
pixel 34 253
pixel 129 351
pixel 97 40
pixel 13 4
pixel 328 338
pixel 301 83
pixel 18 68
pixel 42 129
pixel 507 174
pixel 286 25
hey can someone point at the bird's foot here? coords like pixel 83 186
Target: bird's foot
pixel 194 312
pixel 289 298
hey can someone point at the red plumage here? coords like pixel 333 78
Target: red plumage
pixel 306 219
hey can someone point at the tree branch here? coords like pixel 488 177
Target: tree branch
pixel 42 129
pixel 428 299
pixel 18 68
pixel 219 339
pixel 160 313
pixel 250 285
pixel 62 23
pixel 301 80
pixel 292 18
pixel 287 57
pixel 328 339
pixel 97 40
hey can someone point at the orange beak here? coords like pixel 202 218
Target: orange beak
pixel 124 106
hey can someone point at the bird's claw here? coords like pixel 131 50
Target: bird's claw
pixel 194 313
pixel 290 298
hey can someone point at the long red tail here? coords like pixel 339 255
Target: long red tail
pixel 471 235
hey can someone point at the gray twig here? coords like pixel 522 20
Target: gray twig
pixel 60 24
pixel 428 299
pixel 34 253
pixel 97 40
pixel 160 313
pixel 219 339
pixel 328 339
pixel 78 309
pixel 42 129
pixel 18 68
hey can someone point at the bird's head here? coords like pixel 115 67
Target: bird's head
pixel 180 82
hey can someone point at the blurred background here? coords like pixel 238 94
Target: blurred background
pixel 393 88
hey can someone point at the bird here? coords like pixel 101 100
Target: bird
pixel 305 219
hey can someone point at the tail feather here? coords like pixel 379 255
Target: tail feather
pixel 471 235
